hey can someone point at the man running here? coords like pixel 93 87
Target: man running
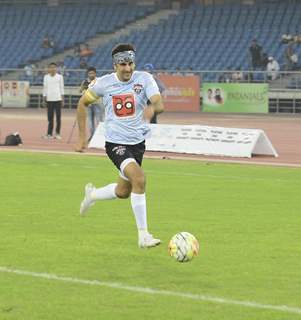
pixel 125 94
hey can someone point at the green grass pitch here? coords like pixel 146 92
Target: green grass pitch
pixel 247 219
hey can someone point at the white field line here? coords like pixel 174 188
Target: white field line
pixel 160 157
pixel 151 291
pixel 193 174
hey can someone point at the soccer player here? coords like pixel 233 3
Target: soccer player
pixel 125 94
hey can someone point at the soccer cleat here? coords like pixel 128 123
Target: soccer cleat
pixel 87 202
pixel 146 240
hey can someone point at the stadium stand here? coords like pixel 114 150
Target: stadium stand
pixel 23 28
pixel 212 37
pixel 200 37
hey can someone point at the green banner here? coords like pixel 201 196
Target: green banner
pixel 235 97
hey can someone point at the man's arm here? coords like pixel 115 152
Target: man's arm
pixel 156 106
pixel 86 99
pixel 82 87
pixel 62 90
pixel 44 91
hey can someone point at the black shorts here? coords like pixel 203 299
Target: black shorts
pixel 120 152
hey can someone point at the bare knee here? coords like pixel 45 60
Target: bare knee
pixel 136 176
pixel 123 192
pixel 138 182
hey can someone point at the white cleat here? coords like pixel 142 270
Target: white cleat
pixel 87 202
pixel 146 240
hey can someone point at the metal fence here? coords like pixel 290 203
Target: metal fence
pixel 284 90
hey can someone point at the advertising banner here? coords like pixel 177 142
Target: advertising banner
pixel 235 97
pixel 14 94
pixel 182 93
pixel 197 139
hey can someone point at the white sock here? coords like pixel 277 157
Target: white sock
pixel 105 193
pixel 138 203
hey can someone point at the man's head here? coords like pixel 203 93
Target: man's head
pixel 52 68
pixel 123 56
pixel 271 59
pixel 91 72
pixel 149 67
pixel 217 92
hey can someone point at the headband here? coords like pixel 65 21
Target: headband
pixel 124 56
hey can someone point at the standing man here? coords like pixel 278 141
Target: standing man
pixel 150 68
pixel 256 54
pixel 95 110
pixel 125 94
pixel 53 94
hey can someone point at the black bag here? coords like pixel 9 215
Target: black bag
pixel 13 140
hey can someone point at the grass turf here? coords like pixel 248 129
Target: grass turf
pixel 247 219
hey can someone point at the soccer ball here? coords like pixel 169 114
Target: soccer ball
pixel 183 246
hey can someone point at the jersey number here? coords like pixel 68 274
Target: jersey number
pixel 124 105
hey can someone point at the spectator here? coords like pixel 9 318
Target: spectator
pixel 62 69
pixel 295 60
pixel 237 76
pixel 150 68
pixel 256 54
pixel 83 63
pixel 86 51
pixel 95 110
pixel 226 76
pixel 76 51
pixel 272 69
pixel 289 53
pixel 53 93
pixel 265 60
pixel 47 42
pixel 29 70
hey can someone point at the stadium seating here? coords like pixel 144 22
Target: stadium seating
pixel 23 28
pixel 212 37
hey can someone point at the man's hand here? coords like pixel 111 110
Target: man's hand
pixel 63 102
pixel 155 107
pixel 44 103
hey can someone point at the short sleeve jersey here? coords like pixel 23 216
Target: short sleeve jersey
pixel 124 104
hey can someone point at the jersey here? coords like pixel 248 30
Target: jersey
pixel 124 104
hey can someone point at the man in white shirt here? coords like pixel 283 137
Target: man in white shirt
pixel 272 69
pixel 53 94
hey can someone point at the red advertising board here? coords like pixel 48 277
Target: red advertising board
pixel 182 93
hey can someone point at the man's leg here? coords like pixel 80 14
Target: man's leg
pixel 50 115
pixel 136 176
pixel 90 119
pixel 58 117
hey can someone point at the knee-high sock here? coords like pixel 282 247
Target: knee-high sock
pixel 105 193
pixel 138 203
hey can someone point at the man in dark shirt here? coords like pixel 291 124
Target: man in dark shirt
pixel 256 54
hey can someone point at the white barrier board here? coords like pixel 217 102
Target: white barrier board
pixel 197 139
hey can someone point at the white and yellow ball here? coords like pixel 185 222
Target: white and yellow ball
pixel 183 246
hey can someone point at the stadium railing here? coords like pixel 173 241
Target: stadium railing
pixel 284 92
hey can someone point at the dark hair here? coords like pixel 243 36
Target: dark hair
pixel 52 64
pixel 91 69
pixel 123 47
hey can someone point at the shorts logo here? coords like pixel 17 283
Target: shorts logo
pixel 138 88
pixel 124 105
pixel 119 151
